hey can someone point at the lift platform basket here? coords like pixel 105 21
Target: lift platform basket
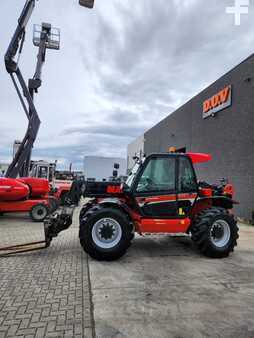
pixel 54 36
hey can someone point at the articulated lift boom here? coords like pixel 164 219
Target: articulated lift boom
pixel 20 163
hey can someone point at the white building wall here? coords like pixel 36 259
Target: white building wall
pixel 102 167
pixel 136 148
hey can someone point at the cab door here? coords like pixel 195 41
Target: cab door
pixel 155 189
pixel 187 187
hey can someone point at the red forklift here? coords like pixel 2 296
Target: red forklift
pixel 60 188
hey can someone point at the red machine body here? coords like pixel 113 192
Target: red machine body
pixel 60 188
pixel 38 186
pixel 23 194
pixel 12 190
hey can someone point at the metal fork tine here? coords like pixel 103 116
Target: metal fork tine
pixel 28 247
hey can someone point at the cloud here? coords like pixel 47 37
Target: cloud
pixel 109 131
pixel 166 52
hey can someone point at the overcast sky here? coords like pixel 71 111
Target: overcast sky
pixel 122 67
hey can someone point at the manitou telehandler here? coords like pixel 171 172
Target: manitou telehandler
pixel 161 195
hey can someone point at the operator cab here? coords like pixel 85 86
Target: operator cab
pixel 163 185
pixel 42 169
pixel 162 172
pixel 160 185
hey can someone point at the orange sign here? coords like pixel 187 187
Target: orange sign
pixel 217 102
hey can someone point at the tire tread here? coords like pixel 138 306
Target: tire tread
pixel 85 234
pixel 201 229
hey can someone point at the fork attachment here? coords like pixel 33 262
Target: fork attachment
pixel 59 221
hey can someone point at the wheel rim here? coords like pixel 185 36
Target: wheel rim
pixel 40 213
pixel 220 233
pixel 106 233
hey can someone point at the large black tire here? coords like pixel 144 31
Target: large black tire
pixel 39 212
pixel 90 235
pixel 215 232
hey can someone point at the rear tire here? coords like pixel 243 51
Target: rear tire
pixel 215 232
pixel 39 212
pixel 105 233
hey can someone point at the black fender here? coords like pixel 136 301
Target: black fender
pixel 85 208
pixel 220 201
pixel 224 202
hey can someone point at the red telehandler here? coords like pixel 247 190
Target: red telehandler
pixel 161 195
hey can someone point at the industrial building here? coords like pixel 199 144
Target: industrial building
pixel 219 121
pixel 135 148
pixel 97 168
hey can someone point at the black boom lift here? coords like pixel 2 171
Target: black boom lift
pixel 43 38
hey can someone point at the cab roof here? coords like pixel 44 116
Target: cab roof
pixel 195 157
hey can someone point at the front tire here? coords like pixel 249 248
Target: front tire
pixel 39 212
pixel 105 233
pixel 215 232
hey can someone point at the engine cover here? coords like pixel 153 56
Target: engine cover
pixel 12 190
pixel 38 186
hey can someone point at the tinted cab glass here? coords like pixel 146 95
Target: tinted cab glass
pixel 158 176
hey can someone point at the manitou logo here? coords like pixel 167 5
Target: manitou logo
pixel 218 102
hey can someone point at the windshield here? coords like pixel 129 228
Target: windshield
pixel 132 174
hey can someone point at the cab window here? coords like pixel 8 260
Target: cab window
pixel 159 175
pixel 43 172
pixel 187 180
pixel 51 174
